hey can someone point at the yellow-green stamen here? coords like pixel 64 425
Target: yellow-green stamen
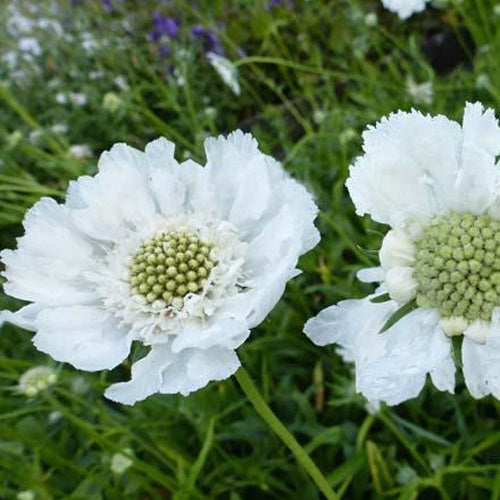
pixel 169 266
pixel 457 266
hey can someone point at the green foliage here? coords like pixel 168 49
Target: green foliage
pixel 313 76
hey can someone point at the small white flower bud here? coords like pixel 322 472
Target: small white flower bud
pixel 478 331
pixel 400 284
pixel 120 462
pixel 453 326
pixel 397 250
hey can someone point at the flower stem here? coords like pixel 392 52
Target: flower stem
pixel 281 431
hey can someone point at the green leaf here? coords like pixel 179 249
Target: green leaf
pixel 385 297
pixel 400 313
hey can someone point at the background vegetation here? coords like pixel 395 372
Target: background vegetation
pixel 313 74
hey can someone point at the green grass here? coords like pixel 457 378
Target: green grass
pixel 312 78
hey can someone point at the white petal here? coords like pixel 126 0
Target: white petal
pixel 397 250
pixel 401 284
pixel 408 169
pixel 474 189
pixel 415 346
pixel 371 275
pixel 147 376
pixel 195 368
pixel 83 336
pixel 51 257
pixel 117 199
pixel 392 366
pixel 478 331
pixel 24 317
pixel 229 333
pixel 481 364
pixel 166 178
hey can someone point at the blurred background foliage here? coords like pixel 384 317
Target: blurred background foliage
pixel 76 77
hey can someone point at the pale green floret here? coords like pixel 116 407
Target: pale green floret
pixel 457 266
pixel 169 266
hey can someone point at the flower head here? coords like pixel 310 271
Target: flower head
pixel 36 379
pixel 183 258
pixel 405 8
pixel 436 184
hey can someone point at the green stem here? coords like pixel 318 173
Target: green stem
pixel 281 431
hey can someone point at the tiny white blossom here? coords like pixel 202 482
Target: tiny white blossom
pixel 36 379
pixel 78 98
pixel 61 98
pixel 121 83
pixel 59 128
pixel 226 70
pixel 80 151
pixel 26 495
pixel 121 462
pixel 420 93
pixel 371 19
pixel 29 45
pixel 182 258
pixel 112 102
pixel 434 182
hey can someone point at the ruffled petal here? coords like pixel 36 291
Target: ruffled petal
pixel 24 317
pixel 474 189
pixel 195 368
pixel 481 362
pixel 166 178
pixel 392 366
pixel 51 258
pixel 408 169
pixel 147 376
pixel 117 199
pixel 229 333
pixel 83 336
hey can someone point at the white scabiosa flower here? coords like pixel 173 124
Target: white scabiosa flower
pixel 183 258
pixel 36 379
pixel 436 183
pixel 405 8
pixel 226 70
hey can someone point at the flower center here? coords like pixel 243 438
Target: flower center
pixel 457 266
pixel 169 266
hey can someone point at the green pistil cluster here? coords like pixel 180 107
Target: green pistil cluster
pixel 169 266
pixel 457 266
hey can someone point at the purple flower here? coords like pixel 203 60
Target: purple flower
pixel 108 5
pixel 209 39
pixel 164 26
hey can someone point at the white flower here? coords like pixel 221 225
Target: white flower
pixel 404 8
pixel 78 98
pixel 29 45
pixel 420 93
pixel 371 19
pixel 436 183
pixel 25 495
pixel 120 462
pixel 61 98
pixel 36 379
pixel 111 102
pixel 226 70
pixel 183 258
pixel 80 151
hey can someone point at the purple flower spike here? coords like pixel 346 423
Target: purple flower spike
pixel 209 39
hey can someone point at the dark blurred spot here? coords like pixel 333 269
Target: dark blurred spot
pixel 447 49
